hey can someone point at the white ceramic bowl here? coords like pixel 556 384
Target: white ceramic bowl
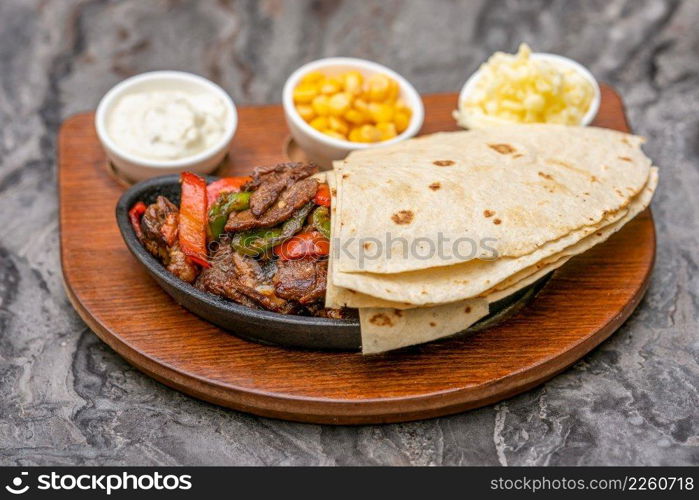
pixel 137 168
pixel 556 59
pixel 323 149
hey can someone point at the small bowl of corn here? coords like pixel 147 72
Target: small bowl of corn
pixel 339 104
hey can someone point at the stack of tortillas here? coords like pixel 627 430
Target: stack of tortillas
pixel 426 233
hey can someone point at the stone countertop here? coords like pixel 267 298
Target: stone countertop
pixel 69 399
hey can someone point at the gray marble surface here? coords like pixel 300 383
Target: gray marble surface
pixel 68 399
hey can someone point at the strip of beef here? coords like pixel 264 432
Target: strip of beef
pixel 243 280
pixel 269 182
pixel 159 225
pixel 220 278
pixel 255 282
pixel 180 265
pixel 302 280
pixel 293 198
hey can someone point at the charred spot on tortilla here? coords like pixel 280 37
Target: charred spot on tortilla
pixel 488 213
pixel 334 192
pixel 467 309
pixel 403 217
pixel 433 324
pixel 503 149
pixel 381 319
pixel 561 163
pixel 367 245
pixel 443 163
pixel 435 186
pixel 625 141
pixel 546 176
pixel 398 313
pixel 625 158
pixel 593 179
pixel 518 155
pixel 345 176
pixel 496 221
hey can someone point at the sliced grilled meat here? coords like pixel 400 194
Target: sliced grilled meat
pixel 243 280
pixel 180 265
pixel 293 198
pixel 159 226
pixel 255 282
pixel 302 280
pixel 271 181
pixel 220 278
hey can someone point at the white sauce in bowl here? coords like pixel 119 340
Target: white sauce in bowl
pixel 166 124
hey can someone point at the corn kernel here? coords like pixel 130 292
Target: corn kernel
pixel 352 82
pixel 401 120
pixel 393 91
pixel 306 112
pixel 369 133
pixel 312 77
pixel 330 85
pixel 338 124
pixel 354 116
pixel 339 103
pixel 355 134
pixel 361 105
pixel 377 87
pixel 380 112
pixel 321 105
pixel 320 123
pixel 304 93
pixel 388 130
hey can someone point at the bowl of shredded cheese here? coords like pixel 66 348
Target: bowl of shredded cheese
pixel 528 88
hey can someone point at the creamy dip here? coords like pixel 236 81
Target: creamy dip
pixel 167 124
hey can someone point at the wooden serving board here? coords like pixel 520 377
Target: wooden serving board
pixel 584 303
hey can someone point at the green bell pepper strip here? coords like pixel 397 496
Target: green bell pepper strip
pixel 258 241
pixel 222 208
pixel 320 220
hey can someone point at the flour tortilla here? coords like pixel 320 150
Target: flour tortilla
pixel 528 276
pixel 474 278
pixel 386 325
pixel 386 329
pixel 335 296
pixel 521 185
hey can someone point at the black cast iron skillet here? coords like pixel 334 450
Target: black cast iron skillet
pixel 258 325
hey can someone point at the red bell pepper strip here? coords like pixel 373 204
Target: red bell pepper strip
pixel 322 196
pixel 135 215
pixel 311 244
pixel 193 220
pixel 225 185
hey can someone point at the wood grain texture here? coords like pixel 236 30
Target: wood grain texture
pixel 585 302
